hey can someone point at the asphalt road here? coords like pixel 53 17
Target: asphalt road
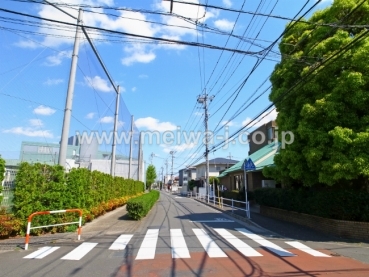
pixel 180 237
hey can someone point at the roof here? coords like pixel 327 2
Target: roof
pixel 261 158
pixel 220 161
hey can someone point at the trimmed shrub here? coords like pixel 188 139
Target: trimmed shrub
pixel 341 204
pixel 2 171
pixel 41 187
pixel 139 207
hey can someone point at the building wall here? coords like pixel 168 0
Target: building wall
pixel 254 144
pixel 121 167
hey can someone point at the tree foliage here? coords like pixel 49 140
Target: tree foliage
pixel 328 111
pixel 150 175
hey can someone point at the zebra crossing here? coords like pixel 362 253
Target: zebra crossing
pixel 178 245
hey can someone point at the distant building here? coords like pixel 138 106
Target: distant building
pixel 215 166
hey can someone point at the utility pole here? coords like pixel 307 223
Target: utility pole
pixel 130 149
pixel 69 100
pixel 204 100
pixel 114 144
pixel 172 153
pixel 166 165
pixel 230 157
pixel 162 177
pixel 152 157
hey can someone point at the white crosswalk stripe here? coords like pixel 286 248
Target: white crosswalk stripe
pixel 178 245
pixel 267 244
pixel 148 246
pixel 306 249
pixel 121 242
pixel 79 252
pixel 209 245
pixel 237 243
pixel 41 253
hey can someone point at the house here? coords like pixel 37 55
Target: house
pixel 233 177
pixel 186 175
pixel 215 166
pixel 263 148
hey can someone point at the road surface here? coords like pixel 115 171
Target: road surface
pixel 179 237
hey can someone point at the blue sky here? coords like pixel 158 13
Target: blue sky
pixel 160 81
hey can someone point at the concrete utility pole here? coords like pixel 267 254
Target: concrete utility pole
pixel 114 144
pixel 172 153
pixel 162 177
pixel 69 100
pixel 166 165
pixel 139 161
pixel 152 157
pixel 130 149
pixel 204 100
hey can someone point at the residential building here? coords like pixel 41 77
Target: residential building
pixel 262 136
pixel 215 166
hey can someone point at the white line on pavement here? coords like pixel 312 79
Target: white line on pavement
pixel 41 253
pixel 306 249
pixel 209 245
pixel 121 242
pixel 178 244
pixel 79 252
pixel 148 246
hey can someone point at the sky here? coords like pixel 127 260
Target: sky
pixel 163 63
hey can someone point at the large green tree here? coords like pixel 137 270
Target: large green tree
pixel 328 111
pixel 150 175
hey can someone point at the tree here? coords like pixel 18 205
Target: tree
pixel 328 111
pixel 150 175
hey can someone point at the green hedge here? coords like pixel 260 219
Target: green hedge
pixel 342 204
pixel 41 187
pixel 139 207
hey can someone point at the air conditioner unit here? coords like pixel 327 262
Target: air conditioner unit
pixel 267 183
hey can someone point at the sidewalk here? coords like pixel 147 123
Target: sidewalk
pixel 282 228
pixel 116 221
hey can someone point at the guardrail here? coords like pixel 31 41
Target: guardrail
pixel 220 202
pixel 29 228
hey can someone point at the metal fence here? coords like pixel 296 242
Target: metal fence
pixel 8 185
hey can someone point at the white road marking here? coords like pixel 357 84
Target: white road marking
pixel 79 252
pixel 148 246
pixel 237 243
pixel 209 245
pixel 215 220
pixel 267 244
pixel 306 249
pixel 121 242
pixel 41 253
pixel 178 244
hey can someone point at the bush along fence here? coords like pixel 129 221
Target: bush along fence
pixel 41 187
pixel 140 206
pixel 340 204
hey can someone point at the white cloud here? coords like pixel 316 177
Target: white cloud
pixel 227 3
pixel 58 58
pixel 226 123
pixel 134 89
pixel 27 44
pixel 153 124
pixel 90 115
pixel 224 24
pixel 43 110
pixel 36 123
pixel 137 53
pixel 98 83
pixel 143 76
pixel 177 148
pixel 107 119
pixel 52 82
pixel 198 113
pixel 29 132
pixel 266 119
pixel 110 119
